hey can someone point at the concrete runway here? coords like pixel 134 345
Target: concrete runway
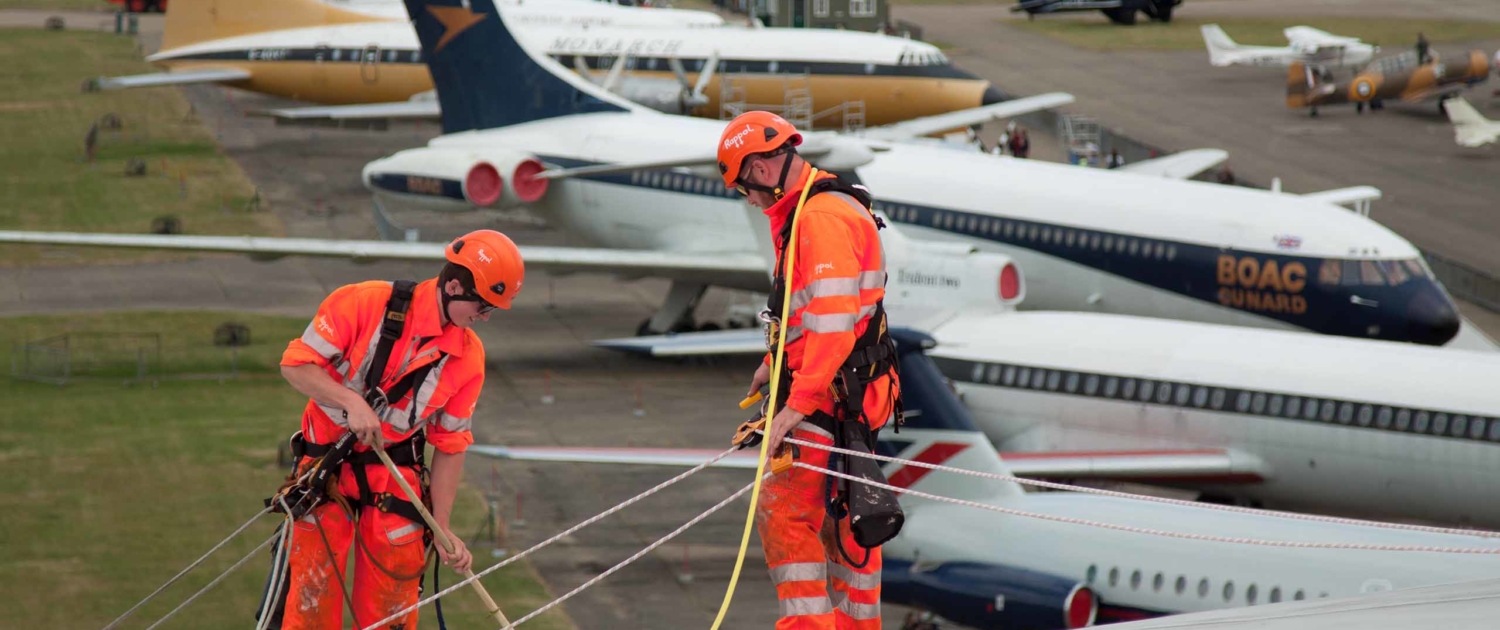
pixel 1438 195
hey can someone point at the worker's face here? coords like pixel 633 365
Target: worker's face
pixel 758 171
pixel 464 309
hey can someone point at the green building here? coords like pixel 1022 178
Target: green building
pixel 855 15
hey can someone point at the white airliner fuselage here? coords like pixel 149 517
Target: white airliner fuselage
pixel 1315 423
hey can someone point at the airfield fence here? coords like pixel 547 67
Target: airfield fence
pixel 121 356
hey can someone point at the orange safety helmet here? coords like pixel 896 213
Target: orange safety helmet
pixel 495 262
pixel 753 133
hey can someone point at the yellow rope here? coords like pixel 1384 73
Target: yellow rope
pixel 760 469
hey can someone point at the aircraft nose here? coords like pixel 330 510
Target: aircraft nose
pixel 1432 318
pixel 993 95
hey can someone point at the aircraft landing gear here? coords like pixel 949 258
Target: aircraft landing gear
pixel 1121 15
pixel 676 312
pixel 1312 112
pixel 1359 107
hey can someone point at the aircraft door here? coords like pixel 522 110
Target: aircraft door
pixel 369 64
pixel 322 55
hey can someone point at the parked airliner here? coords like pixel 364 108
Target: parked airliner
pixel 990 570
pixel 1093 240
pixel 304 50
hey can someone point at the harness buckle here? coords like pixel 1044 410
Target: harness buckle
pixel 378 402
pixel 772 325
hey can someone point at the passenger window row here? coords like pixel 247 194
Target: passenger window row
pixel 1204 587
pixel 1225 399
pixel 1029 233
pixel 680 182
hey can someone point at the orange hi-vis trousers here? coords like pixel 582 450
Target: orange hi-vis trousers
pixel 798 538
pixel 315 600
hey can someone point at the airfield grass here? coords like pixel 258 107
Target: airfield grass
pixel 58 5
pixel 112 489
pixel 45 183
pixel 1182 33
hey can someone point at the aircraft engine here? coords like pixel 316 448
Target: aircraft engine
pixel 955 276
pixel 988 596
pixel 457 179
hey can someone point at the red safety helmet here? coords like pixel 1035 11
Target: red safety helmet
pixel 495 262
pixel 753 133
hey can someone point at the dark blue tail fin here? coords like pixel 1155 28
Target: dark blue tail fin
pixel 484 78
pixel 930 402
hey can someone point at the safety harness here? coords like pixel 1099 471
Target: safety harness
pixel 875 514
pixel 305 491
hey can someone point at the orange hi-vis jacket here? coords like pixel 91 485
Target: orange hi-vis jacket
pixel 341 339
pixel 837 279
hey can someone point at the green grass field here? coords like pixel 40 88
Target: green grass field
pixel 45 184
pixel 1394 35
pixel 113 489
pixel 59 5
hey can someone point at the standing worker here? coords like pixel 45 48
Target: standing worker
pixel 838 383
pixel 398 365
pixel 1422 48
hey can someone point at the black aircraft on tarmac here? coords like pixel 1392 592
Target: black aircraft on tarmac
pixel 1118 11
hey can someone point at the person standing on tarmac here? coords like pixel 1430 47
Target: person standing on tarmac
pixel 839 371
pixel 415 343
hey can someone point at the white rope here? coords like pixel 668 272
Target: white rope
pixel 1158 532
pixel 187 569
pixel 212 584
pixel 638 555
pixel 1142 497
pixel 565 533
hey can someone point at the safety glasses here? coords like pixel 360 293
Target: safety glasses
pixel 484 307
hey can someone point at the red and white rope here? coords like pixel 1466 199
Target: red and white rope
pixel 1158 532
pixel 637 556
pixel 1163 500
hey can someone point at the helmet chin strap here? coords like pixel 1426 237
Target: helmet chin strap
pixel 779 190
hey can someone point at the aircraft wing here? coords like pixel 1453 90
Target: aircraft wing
pixel 1435 92
pixel 733 270
pixel 370 111
pixel 1213 466
pixel 1198 466
pixel 1309 37
pixel 1347 196
pixel 684 457
pixel 750 341
pixel 1180 165
pixel 186 77
pixel 919 127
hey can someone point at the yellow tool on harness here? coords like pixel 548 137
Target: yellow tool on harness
pixel 785 461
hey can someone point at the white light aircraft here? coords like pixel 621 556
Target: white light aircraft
pixel 993 571
pixel 1470 128
pixel 1304 43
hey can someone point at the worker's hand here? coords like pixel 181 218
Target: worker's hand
pixel 762 376
pixel 365 424
pixel 460 560
pixel 781 425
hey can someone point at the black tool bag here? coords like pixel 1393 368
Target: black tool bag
pixel 875 515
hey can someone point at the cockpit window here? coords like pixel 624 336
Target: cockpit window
pixel 1394 273
pixel 1351 273
pixel 1328 272
pixel 1370 272
pixel 1417 269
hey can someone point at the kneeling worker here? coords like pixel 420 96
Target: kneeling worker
pixel 398 365
pixel 839 373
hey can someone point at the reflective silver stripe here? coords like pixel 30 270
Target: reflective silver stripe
pixel 335 414
pixel 425 390
pixel 793 333
pixel 827 287
pixel 830 323
pixel 399 419
pixel 356 381
pixel 455 424
pixel 858 611
pixel 799 572
pixel 399 532
pixel 871 280
pixel 861 581
pixel 813 429
pixel 318 343
pixel 798 606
